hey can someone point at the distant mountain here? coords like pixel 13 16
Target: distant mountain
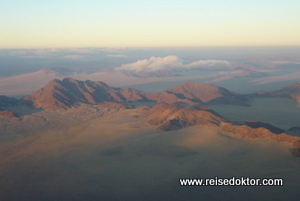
pixel 191 92
pixel 24 84
pixel 243 72
pixel 7 101
pixel 48 70
pixel 290 91
pixel 294 131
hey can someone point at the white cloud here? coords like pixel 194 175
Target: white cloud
pixel 172 63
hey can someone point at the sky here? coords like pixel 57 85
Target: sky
pixel 141 23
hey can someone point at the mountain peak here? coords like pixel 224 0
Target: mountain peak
pixel 48 70
pixel 70 79
pixel 60 95
pixel 188 82
pixel 174 116
pixel 202 92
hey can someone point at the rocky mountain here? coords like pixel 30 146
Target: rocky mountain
pixel 253 131
pixel 169 117
pixel 257 124
pixel 172 117
pixel 290 91
pixel 260 130
pixel 63 94
pixel 191 92
pixel 57 94
pixel 165 97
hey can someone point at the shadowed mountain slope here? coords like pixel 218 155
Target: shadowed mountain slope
pixel 290 91
pixel 295 130
pixel 9 106
pixel 6 113
pixel 7 101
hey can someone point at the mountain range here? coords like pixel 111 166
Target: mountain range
pixel 63 94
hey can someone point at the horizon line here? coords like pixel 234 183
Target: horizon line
pixel 154 47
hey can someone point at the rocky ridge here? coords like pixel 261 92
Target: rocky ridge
pixel 290 91
pixel 61 95
pixel 169 117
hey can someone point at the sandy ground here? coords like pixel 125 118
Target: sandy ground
pixel 106 154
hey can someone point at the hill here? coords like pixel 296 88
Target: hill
pixel 290 91
pixel 169 117
pixel 172 117
pixel 191 92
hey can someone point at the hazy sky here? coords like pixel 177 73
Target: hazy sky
pixel 141 23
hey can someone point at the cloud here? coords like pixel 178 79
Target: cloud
pixel 172 63
pixel 117 55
